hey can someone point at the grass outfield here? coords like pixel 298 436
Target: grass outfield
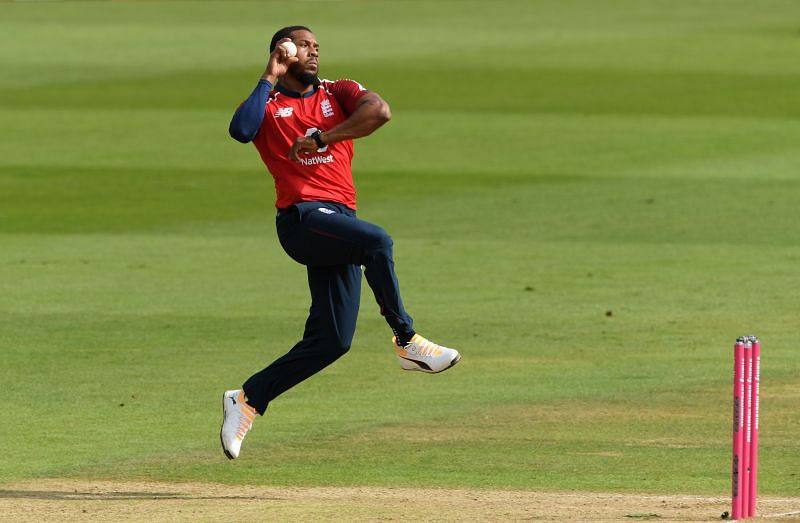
pixel 590 202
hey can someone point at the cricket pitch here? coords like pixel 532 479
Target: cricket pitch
pixel 77 500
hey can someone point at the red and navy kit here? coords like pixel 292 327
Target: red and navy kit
pixel 317 226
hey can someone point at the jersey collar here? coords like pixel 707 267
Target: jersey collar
pixel 294 94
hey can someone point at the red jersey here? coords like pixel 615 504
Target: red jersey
pixel 325 175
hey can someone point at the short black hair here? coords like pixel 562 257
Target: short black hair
pixel 286 32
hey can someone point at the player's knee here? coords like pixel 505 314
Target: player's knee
pixel 380 241
pixel 340 340
pixel 338 346
pixel 332 350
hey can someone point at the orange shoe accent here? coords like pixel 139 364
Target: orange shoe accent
pixel 246 422
pixel 248 409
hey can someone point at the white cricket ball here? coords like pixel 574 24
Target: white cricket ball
pixel 290 48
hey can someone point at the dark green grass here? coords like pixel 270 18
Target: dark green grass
pixel 591 203
pixel 542 90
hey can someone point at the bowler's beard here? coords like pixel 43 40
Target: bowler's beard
pixel 302 76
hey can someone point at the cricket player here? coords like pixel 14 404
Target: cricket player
pixel 304 128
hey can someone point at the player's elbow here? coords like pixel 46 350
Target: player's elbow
pixel 240 134
pixel 244 126
pixel 382 113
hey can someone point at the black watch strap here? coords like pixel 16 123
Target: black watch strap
pixel 317 136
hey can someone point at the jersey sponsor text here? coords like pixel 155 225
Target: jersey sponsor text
pixel 317 160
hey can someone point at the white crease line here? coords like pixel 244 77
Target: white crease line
pixel 795 513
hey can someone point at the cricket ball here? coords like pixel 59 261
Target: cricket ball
pixel 290 48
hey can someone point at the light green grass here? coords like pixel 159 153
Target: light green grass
pixel 591 202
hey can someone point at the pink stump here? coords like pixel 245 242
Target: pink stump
pixel 756 381
pixel 738 429
pixel 748 405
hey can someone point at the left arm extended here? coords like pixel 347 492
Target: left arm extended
pixel 371 112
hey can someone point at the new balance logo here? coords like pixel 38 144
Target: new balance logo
pixel 283 112
pixel 326 210
pixel 327 110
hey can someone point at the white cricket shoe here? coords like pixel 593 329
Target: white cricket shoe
pixel 425 356
pixel 237 418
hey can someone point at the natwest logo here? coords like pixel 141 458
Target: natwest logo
pixel 317 160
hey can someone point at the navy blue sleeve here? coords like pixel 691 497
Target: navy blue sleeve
pixel 248 117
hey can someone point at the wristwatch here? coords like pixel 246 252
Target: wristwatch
pixel 317 136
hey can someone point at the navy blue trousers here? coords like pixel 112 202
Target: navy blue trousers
pixel 333 244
